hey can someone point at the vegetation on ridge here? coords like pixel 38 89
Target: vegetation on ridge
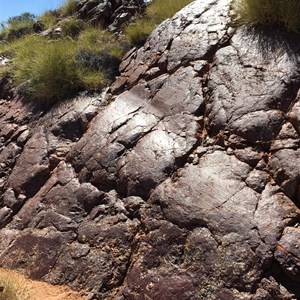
pixel 47 69
pixel 17 26
pixel 52 66
pixel 52 70
pixel 68 8
pixel 269 12
pixel 156 12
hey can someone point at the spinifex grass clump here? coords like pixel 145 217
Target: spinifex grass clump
pixel 12 288
pixel 161 10
pixel 68 8
pixel 49 18
pixel 156 12
pixel 98 55
pixel 47 67
pixel 53 70
pixel 50 68
pixel 269 12
pixel 71 27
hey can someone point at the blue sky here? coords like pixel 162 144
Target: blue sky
pixel 11 8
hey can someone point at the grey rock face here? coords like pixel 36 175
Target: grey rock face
pixel 184 186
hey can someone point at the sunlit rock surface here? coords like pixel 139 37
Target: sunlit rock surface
pixel 181 183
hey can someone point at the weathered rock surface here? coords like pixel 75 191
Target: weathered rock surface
pixel 184 186
pixel 109 13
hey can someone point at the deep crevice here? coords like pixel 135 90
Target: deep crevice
pixel 276 272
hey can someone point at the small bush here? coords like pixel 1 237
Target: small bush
pixel 97 40
pixel 138 32
pixel 50 71
pixel 161 10
pixel 93 79
pixel 12 288
pixel 47 67
pixel 102 62
pixel 71 27
pixel 24 20
pixel 98 54
pixel 156 12
pixel 68 8
pixel 269 12
pixel 18 26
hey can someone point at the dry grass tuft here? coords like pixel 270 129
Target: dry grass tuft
pixel 156 12
pixel 12 287
pixel 68 8
pixel 269 12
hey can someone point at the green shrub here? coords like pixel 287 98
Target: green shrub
pixel 98 54
pixel 71 27
pixel 102 62
pixel 68 8
pixel 18 26
pixel 12 288
pixel 156 12
pixel 161 10
pixel 93 79
pixel 48 68
pixel 138 32
pixel 269 12
pixel 8 48
pixel 3 33
pixel 89 39
pixel 24 20
pixel 50 71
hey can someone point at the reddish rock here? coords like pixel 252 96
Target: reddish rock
pixel 184 186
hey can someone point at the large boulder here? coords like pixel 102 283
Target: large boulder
pixel 184 185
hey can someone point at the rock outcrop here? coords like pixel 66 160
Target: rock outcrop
pixel 183 184
pixel 109 13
